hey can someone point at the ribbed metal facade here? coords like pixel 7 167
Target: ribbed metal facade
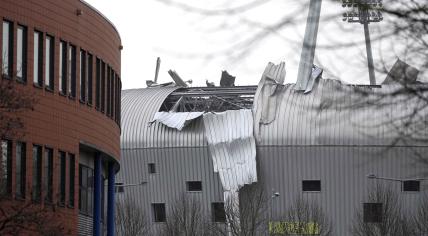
pixel 306 141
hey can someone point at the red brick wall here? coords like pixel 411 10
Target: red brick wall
pixel 58 121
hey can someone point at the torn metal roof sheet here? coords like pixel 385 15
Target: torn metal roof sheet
pixel 176 120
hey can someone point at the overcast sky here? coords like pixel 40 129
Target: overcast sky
pixel 183 40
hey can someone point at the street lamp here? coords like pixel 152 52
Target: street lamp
pixel 274 195
pixel 364 12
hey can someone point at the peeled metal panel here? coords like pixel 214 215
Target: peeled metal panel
pixel 232 147
pixel 177 120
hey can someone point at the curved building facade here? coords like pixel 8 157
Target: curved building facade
pixel 67 55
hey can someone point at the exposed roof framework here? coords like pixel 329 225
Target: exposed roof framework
pixel 210 99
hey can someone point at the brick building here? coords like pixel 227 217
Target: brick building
pixel 67 54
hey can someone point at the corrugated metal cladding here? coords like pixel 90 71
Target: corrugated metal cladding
pixel 308 140
pixel 138 109
pixel 84 225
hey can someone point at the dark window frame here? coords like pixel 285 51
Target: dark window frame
pixel 71 179
pixel 20 170
pixel 159 212
pixel 72 73
pixel 36 191
pixel 63 62
pixel 62 178
pixel 90 75
pixel 24 55
pixel 152 168
pixel 194 186
pixel 83 75
pixel 108 84
pixel 50 60
pixel 38 77
pixel 103 86
pixel 6 162
pixel 119 188
pixel 218 213
pixel 411 186
pixel 98 83
pixel 86 190
pixel 311 185
pixel 48 174
pixel 10 48
pixel 372 212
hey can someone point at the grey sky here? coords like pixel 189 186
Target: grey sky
pixel 150 29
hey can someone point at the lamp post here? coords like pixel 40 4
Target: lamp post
pixel 274 195
pixel 364 12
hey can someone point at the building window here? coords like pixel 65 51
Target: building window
pixel 218 213
pixel 159 214
pixel 48 174
pixel 108 90
pixel 6 168
pixel 7 48
pixel 63 67
pixel 61 182
pixel 37 173
pixel 119 188
pixel 90 75
pixel 38 59
pixel 72 71
pixel 97 83
pixel 71 172
pixel 194 186
pixel 411 186
pixel 21 168
pixel 21 53
pixel 82 76
pixel 152 168
pixel 112 89
pixel 311 185
pixel 49 62
pixel 372 212
pixel 86 191
pixel 103 85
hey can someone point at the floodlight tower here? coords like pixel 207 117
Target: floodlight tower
pixel 364 12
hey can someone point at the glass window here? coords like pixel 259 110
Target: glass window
pixel 411 186
pixel 85 189
pixel 119 188
pixel 111 100
pixel 21 168
pixel 37 173
pixel 82 75
pixel 72 71
pixel 48 174
pixel 63 67
pixel 108 90
pixel 61 182
pixel 21 53
pixel 6 168
pixel 103 85
pixel 7 48
pixel 311 185
pixel 152 168
pixel 97 83
pixel 90 75
pixel 38 58
pixel 71 172
pixel 159 214
pixel 218 213
pixel 194 186
pixel 372 212
pixel 49 62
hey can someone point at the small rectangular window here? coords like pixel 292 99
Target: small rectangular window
pixel 194 186
pixel 38 59
pixel 63 67
pixel 85 189
pixel 48 174
pixel 61 182
pixel 21 168
pixel 311 185
pixel 71 173
pixel 218 213
pixel 6 168
pixel 159 213
pixel 37 173
pixel 49 62
pixel 372 212
pixel 83 74
pixel 7 49
pixel 90 75
pixel 108 90
pixel 119 188
pixel 113 95
pixel 152 168
pixel 411 186
pixel 21 53
pixel 72 71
